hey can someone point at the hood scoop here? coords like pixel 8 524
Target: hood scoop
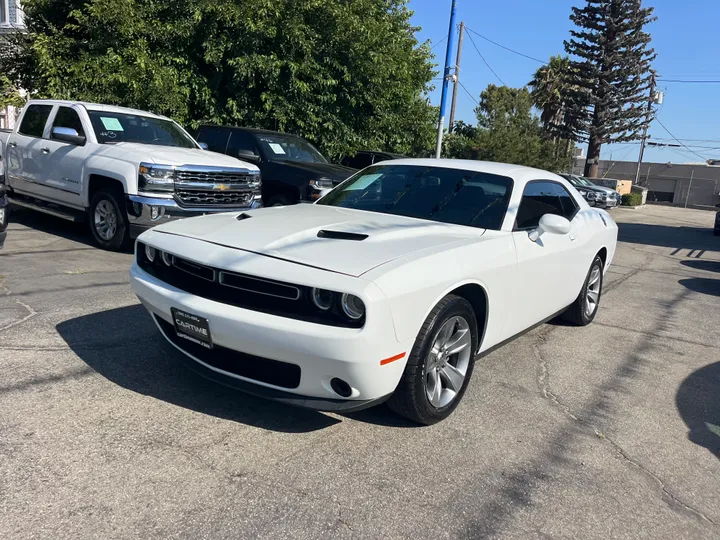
pixel 340 235
pixel 243 216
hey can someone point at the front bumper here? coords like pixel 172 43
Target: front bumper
pixel 321 352
pixel 146 212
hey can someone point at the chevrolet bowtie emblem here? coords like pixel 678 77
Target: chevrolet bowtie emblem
pixel 222 187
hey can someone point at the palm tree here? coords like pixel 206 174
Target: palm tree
pixel 552 88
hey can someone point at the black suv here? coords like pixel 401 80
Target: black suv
pixel 716 230
pixel 292 169
pixel 365 158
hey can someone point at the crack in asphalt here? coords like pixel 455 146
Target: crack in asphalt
pixel 31 311
pixel 543 380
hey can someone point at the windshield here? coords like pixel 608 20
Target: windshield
pixel 278 147
pixel 461 197
pixel 586 182
pixel 111 128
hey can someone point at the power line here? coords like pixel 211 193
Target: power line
pixel 504 47
pixel 486 62
pixel 678 140
pixel 468 92
pixel 691 81
pixel 438 43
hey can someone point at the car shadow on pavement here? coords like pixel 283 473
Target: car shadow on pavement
pixel 698 401
pixel 702 285
pixel 124 346
pixel 695 239
pixel 708 266
pixel 54 226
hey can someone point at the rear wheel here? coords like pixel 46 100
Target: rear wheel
pixel 108 220
pixel 440 363
pixel 583 310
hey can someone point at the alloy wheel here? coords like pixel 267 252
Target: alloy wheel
pixel 447 362
pixel 106 220
pixel 593 292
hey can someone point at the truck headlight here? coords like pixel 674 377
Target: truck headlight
pixel 158 178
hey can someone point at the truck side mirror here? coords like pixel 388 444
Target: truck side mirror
pixel 68 135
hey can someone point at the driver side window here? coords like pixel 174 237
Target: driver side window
pixel 543 197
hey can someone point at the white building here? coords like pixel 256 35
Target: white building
pixel 12 19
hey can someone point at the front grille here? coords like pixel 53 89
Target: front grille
pixel 215 177
pixel 244 291
pixel 213 198
pixel 260 369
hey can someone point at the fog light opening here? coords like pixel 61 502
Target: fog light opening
pixel 340 387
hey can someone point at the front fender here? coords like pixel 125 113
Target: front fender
pixel 122 171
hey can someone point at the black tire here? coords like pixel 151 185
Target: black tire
pixel 106 200
pixel 410 398
pixel 577 313
pixel 280 200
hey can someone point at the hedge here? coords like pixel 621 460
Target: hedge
pixel 632 199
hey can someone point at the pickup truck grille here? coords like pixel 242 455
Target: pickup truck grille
pixel 210 186
pixel 213 198
pixel 214 177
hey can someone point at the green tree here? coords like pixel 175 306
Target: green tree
pixel 346 75
pixel 509 132
pixel 612 66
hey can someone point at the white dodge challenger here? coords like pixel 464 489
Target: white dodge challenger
pixel 387 288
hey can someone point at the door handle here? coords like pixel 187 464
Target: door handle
pixel 45 150
pixel 12 144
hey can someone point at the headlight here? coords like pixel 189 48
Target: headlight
pixel 166 258
pixel 352 306
pixel 322 183
pixel 323 299
pixel 150 253
pixel 589 195
pixel 153 177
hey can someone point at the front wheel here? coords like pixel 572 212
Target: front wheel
pixel 584 308
pixel 108 220
pixel 440 363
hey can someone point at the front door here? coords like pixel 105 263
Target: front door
pixel 549 267
pixel 62 162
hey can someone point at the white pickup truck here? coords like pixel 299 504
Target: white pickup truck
pixel 122 170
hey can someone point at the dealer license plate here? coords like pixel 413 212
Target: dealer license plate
pixel 192 327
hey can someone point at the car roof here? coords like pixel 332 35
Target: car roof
pixel 97 107
pixel 490 167
pixel 253 130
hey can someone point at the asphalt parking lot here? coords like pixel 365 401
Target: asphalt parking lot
pixel 608 431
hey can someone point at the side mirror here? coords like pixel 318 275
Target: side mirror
pixel 552 224
pixel 203 145
pixel 248 155
pixel 68 135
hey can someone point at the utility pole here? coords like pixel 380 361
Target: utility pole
pixel 457 77
pixel 446 80
pixel 643 141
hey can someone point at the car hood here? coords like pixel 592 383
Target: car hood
pixel 337 173
pixel 353 241
pixel 171 155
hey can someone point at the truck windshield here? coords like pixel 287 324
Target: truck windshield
pixel 113 128
pixel 278 147
pixel 470 198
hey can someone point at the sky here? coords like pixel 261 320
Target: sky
pixel 685 37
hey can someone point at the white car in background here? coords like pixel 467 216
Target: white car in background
pixel 385 289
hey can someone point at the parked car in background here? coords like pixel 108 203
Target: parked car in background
pixel 365 158
pixel 611 193
pixel 386 288
pixel 4 210
pixel 599 196
pixel 716 229
pixel 292 169
pixel 122 170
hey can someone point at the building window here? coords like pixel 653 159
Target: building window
pixel 19 14
pixel 4 12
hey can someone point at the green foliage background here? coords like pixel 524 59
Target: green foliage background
pixel 345 74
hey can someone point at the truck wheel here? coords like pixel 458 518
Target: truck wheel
pixel 108 220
